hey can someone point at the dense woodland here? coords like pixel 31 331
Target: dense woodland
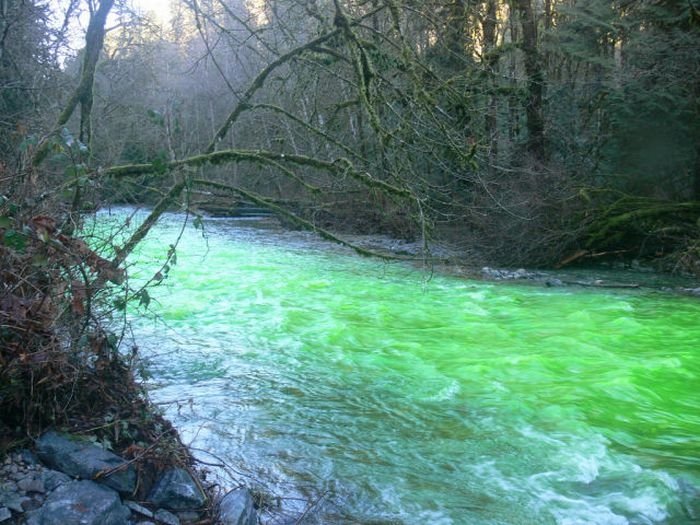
pixel 524 132
pixel 529 132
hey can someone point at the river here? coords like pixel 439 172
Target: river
pixel 384 396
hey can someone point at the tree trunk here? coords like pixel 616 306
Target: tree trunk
pixel 491 63
pixel 696 175
pixel 455 34
pixel 535 80
pixel 94 39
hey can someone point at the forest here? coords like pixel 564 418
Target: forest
pixel 529 132
pixel 534 134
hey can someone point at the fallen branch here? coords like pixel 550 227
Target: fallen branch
pixel 123 466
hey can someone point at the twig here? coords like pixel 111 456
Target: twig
pixel 108 472
pixel 310 507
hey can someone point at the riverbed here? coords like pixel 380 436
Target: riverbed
pixel 363 391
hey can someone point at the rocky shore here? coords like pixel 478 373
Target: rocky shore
pixel 69 480
pixel 599 279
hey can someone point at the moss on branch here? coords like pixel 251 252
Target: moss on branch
pixel 341 166
pixel 295 219
pixel 628 219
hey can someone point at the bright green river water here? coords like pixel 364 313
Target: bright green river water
pixel 399 399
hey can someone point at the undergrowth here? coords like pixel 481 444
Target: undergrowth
pixel 60 360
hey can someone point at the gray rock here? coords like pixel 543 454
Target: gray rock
pixel 81 503
pixel 5 514
pixel 28 457
pixel 7 490
pixel 521 273
pixel 13 501
pixel 83 459
pixel 176 490
pixel 31 483
pixel 510 275
pixel 139 509
pixel 490 273
pixel 189 516
pixel 167 517
pixel 53 479
pixel 236 508
pixel 16 476
pixel 31 504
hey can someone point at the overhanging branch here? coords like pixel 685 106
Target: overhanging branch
pixel 341 166
pixel 299 221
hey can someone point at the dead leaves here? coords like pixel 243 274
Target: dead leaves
pixel 48 283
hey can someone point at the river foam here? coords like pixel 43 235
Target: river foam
pixel 385 396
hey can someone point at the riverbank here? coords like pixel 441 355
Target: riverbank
pixel 74 478
pixel 80 442
pixel 458 261
pixel 69 479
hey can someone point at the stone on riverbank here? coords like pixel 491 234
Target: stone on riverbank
pixel 176 490
pixel 32 493
pixel 499 274
pixel 237 508
pixel 83 459
pixel 167 518
pixel 81 503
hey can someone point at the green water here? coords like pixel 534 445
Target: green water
pixel 320 374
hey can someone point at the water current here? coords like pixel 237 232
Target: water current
pixel 386 396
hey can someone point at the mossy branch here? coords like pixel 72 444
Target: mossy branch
pixel 295 219
pixel 341 166
pixel 628 212
pixel 144 228
pixel 311 128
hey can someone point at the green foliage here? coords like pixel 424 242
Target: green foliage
pixel 15 240
pixel 156 118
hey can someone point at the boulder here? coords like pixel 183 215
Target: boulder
pixel 52 479
pixel 237 508
pixel 176 490
pixel 28 457
pixel 83 459
pixel 167 518
pixel 32 483
pixel 139 509
pixel 81 503
pixel 190 516
pixel 12 499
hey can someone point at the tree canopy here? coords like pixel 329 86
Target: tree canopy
pixel 527 130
